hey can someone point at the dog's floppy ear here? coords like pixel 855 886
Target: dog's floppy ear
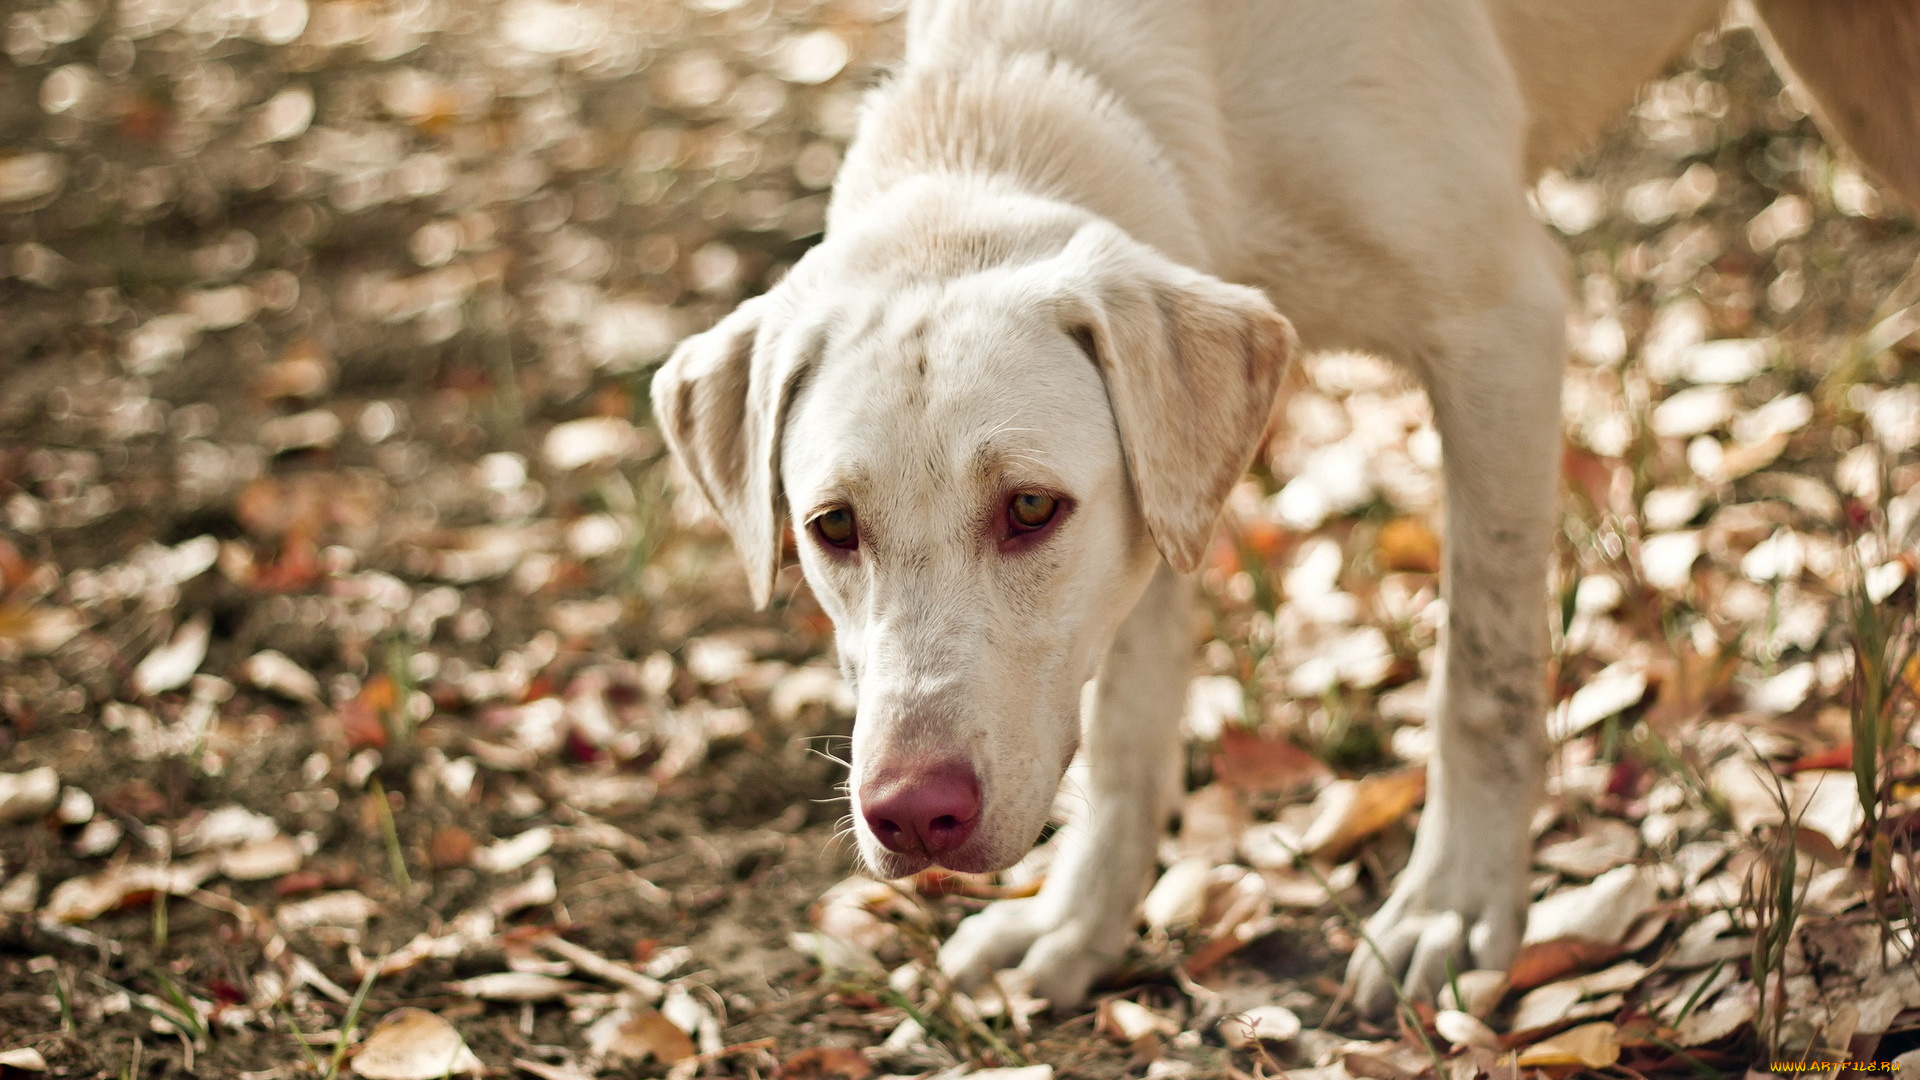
pixel 1193 366
pixel 721 400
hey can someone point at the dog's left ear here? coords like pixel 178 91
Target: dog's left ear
pixel 721 400
pixel 1193 366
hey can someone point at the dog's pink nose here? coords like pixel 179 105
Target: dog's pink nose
pixel 923 811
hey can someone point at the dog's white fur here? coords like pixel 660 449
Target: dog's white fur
pixel 1024 286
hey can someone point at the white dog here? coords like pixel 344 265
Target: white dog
pixel 1004 399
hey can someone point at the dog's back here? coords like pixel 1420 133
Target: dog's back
pixel 1579 63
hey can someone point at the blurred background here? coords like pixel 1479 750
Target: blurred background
pixel 356 659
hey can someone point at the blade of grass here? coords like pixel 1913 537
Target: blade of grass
pixel 180 1001
pixel 306 1048
pixel 353 1017
pixel 396 858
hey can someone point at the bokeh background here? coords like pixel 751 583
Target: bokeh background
pixel 355 657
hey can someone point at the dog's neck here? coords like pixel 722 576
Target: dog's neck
pixel 1082 118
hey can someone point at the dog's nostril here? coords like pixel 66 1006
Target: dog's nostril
pixel 923 811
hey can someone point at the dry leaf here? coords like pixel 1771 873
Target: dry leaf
pixel 1480 991
pixel 1348 813
pixel 1211 822
pixel 516 986
pixel 272 671
pixel 1269 1023
pixel 1600 912
pixel 1179 898
pixel 1134 1026
pixel 345 908
pixel 414 1044
pixel 1612 691
pixel 1409 544
pixel 28 795
pixel 1605 844
pixel 514 852
pixel 1465 1029
pixel 1258 765
pixel 23 1057
pixel 1543 962
pixel 170 665
pixel 651 1034
pixel 1592 1046
pixel 826 1063
pixel 83 898
pixel 259 860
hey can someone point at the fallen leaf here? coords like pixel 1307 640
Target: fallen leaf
pixel 1409 544
pixel 450 846
pixel 649 1033
pixel 344 908
pixel 259 860
pixel 272 671
pixel 363 718
pixel 414 1044
pixel 28 795
pixel 1605 844
pixel 1266 1023
pixel 80 899
pixel 1179 898
pixel 1465 1029
pixel 170 665
pixel 1480 991
pixel 1348 813
pixel 23 1057
pixel 1134 1026
pixel 516 986
pixel 826 1063
pixel 1731 1010
pixel 1592 1046
pixel 1211 822
pixel 1601 912
pixel 1614 690
pixel 1256 764
pixel 1543 962
pixel 515 851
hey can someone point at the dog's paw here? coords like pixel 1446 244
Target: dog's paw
pixel 1433 922
pixel 1060 953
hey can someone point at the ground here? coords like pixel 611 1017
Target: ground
pixel 354 652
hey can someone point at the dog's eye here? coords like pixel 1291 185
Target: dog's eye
pixel 1032 509
pixel 835 529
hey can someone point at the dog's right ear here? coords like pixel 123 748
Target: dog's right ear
pixel 721 400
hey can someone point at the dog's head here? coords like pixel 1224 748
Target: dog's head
pixel 989 418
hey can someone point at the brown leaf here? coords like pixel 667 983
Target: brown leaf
pixel 450 846
pixel 1549 961
pixel 1258 765
pixel 826 1063
pixel 648 1030
pixel 363 720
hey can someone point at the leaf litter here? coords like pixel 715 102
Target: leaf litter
pixel 348 636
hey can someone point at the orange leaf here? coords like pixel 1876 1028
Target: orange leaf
pixel 1840 757
pixel 1408 544
pixel 364 719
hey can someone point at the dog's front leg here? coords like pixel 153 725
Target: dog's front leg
pixel 1462 900
pixel 1081 922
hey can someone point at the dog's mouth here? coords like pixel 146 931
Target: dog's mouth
pixel 977 856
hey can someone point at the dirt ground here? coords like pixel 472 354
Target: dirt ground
pixel 343 593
